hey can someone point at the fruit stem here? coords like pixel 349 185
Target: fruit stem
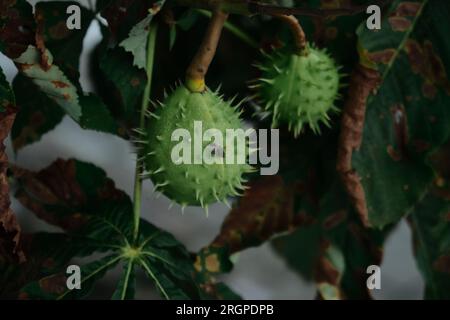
pixel 297 32
pixel 195 74
pixel 235 30
pixel 145 100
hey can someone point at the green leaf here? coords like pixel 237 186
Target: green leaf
pixel 408 116
pixel 126 286
pixel 136 43
pixel 172 36
pixel 54 287
pixel 121 84
pixel 430 223
pixel 50 80
pixel 38 113
pixel 167 263
pixel 96 116
pixel 188 19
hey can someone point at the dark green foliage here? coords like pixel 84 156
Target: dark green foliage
pixel 304 211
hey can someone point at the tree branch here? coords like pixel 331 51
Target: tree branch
pixel 195 74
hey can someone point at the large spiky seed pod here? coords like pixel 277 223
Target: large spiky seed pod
pixel 192 184
pixel 298 89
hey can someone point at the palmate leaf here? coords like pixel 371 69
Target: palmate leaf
pixel 408 116
pixel 80 198
pixel 136 43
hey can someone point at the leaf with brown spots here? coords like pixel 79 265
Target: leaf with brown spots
pixel 407 116
pixel 9 228
pixel 29 63
pixel 67 191
pixel 265 210
pixel 65 45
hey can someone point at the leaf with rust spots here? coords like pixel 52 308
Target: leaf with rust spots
pixel 210 262
pixel 16 27
pixel 407 9
pixel 65 45
pixel 426 63
pixel 9 227
pixel 384 56
pixel 65 192
pixel 265 210
pixel 66 96
pixel 399 24
pixel 391 163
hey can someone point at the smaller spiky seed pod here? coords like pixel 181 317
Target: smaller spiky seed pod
pixel 298 89
pixel 191 184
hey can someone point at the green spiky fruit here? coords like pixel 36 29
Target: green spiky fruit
pixel 194 183
pixel 298 89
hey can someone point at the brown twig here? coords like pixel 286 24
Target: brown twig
pixel 195 74
pixel 362 83
pixel 297 31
